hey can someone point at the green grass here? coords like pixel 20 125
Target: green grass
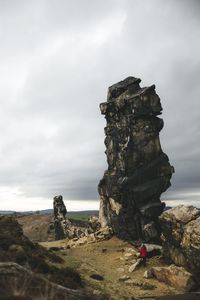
pixel 67 261
pixel 78 217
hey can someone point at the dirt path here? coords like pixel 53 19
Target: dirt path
pixel 110 260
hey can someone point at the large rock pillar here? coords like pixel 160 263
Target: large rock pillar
pixel 138 170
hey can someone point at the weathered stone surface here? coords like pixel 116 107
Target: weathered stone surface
pixel 182 213
pixel 16 280
pixel 138 170
pixel 181 237
pixel 60 221
pixel 93 224
pixel 175 276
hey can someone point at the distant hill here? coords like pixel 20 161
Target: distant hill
pixel 50 211
pixel 6 212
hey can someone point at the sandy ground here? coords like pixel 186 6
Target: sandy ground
pixel 107 258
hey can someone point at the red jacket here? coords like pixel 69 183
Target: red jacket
pixel 143 251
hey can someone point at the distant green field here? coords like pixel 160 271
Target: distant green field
pixel 78 216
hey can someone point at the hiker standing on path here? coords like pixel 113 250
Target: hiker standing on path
pixel 143 254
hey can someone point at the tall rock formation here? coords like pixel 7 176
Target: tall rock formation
pixel 60 221
pixel 138 170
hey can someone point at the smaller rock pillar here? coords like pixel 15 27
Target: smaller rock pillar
pixel 60 221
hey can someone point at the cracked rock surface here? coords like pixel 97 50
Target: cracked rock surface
pixel 138 170
pixel 181 237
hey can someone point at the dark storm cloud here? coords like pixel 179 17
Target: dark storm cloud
pixel 58 59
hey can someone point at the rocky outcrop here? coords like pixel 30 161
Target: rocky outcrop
pixel 175 276
pixel 16 280
pixel 138 170
pixel 63 227
pixel 60 222
pixel 75 229
pixel 181 237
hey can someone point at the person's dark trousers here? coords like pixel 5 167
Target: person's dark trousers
pixel 143 262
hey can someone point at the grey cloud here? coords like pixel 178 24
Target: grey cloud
pixel 58 59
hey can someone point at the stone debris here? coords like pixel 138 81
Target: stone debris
pixel 140 284
pixel 175 276
pixel 104 233
pixel 93 224
pixel 131 250
pixel 129 255
pixel 78 232
pixel 138 171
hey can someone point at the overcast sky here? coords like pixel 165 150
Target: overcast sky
pixel 57 60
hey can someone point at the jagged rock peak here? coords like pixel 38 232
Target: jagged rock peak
pixel 128 98
pixel 59 207
pixel 117 89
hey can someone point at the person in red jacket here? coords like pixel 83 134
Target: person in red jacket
pixel 143 254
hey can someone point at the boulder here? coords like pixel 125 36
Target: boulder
pixel 135 265
pixel 16 280
pixel 124 278
pixel 104 233
pixel 138 171
pixel 148 274
pixel 153 247
pixel 93 224
pixel 153 250
pixel 175 276
pixel 181 237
